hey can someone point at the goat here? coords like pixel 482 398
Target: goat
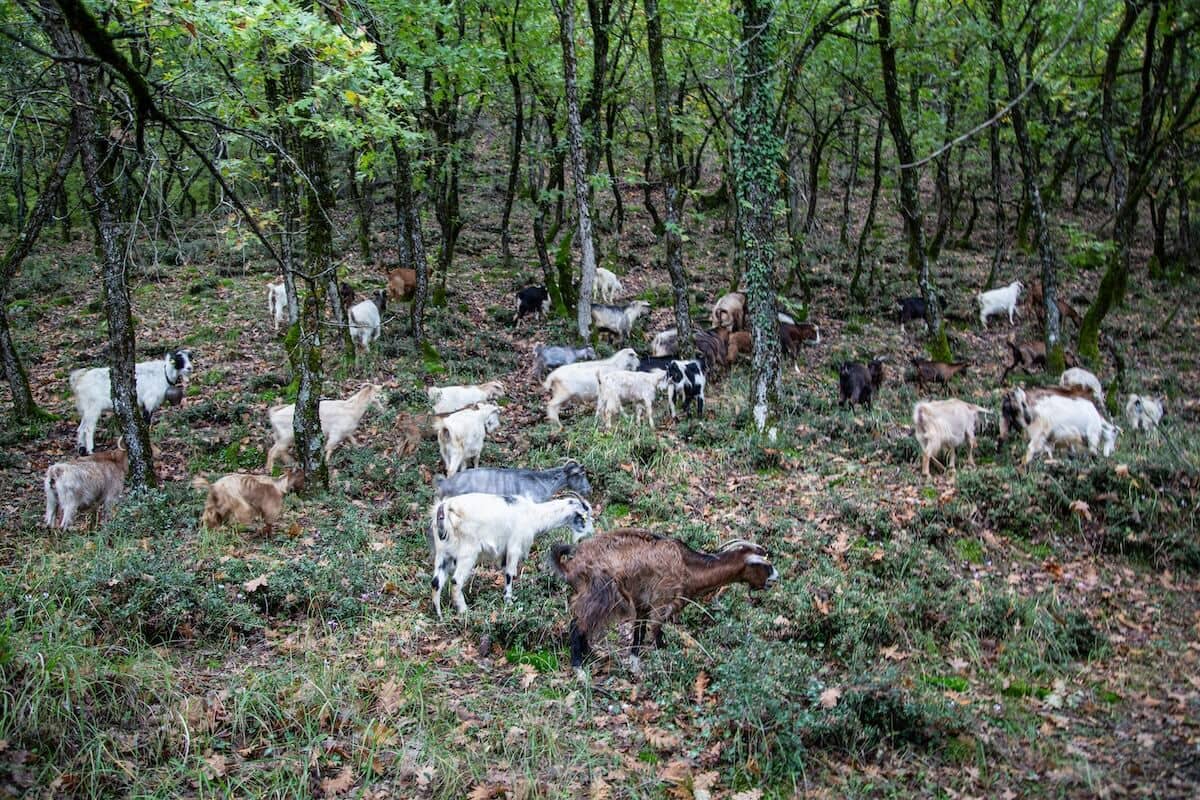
pixel 82 484
pixel 712 350
pixel 498 528
pixel 401 283
pixel 461 434
pixel 1072 421
pixel 339 421
pixel 365 320
pixel 634 575
pixel 245 498
pixel 93 392
pixel 937 371
pixel 665 344
pixel 938 424
pixel 579 381
pixel 687 379
pixel 1017 407
pixel 608 285
pixel 536 484
pixel 277 303
pixel 1144 412
pixel 1078 376
pixel 620 386
pixel 618 321
pixel 858 384
pixel 532 300
pixel 736 344
pixel 448 399
pixel 1026 355
pixel 548 358
pixel 998 301
pixel 1037 302
pixel 908 309
pixel 792 335
pixel 730 312
pixel 346 295
pixel 651 363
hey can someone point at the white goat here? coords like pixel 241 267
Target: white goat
pixel 997 301
pixel 578 381
pixel 665 344
pixel 1071 421
pixel 460 435
pixel 93 392
pixel 339 421
pixel 938 424
pixel 499 528
pixel 621 386
pixel 1078 376
pixel 448 399
pixel 93 481
pixel 730 312
pixel 608 285
pixel 365 319
pixel 1144 412
pixel 618 320
pixel 277 303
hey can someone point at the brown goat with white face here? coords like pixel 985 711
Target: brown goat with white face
pixel 632 574
pixel 247 498
pixel 82 484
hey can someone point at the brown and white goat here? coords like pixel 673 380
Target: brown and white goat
pixel 730 312
pixel 82 484
pixel 246 498
pixel 1016 409
pixel 940 424
pixel 634 575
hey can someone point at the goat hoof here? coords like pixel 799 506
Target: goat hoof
pixel 581 675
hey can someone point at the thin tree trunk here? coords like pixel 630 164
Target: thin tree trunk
pixel 1000 230
pixel 360 198
pixel 941 182
pixel 851 184
pixel 541 197
pixel 412 240
pixel 508 35
pixel 869 223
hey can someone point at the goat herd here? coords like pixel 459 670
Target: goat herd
pixel 495 514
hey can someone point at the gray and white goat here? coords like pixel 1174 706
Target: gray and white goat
pixel 546 358
pixel 536 484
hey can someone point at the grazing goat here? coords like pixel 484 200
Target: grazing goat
pixel 82 484
pixel 617 387
pixel 339 421
pixel 937 371
pixel 608 285
pixel 997 301
pixel 532 300
pixel 686 378
pixel 1037 302
pixel 499 528
pixel 536 484
pixel 578 381
pixel 93 392
pixel 792 335
pixel 908 309
pixel 548 358
pixel 858 384
pixel 246 498
pixel 736 344
pixel 665 344
pixel 448 399
pixel 712 350
pixel 634 575
pixel 730 312
pixel 277 303
pixel 938 424
pixel 1026 355
pixel 1070 421
pixel 365 320
pixel 1017 407
pixel 1144 412
pixel 461 435
pixel 401 283
pixel 651 363
pixel 618 321
pixel 1078 376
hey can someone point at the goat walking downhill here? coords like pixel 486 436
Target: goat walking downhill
pixel 365 319
pixel 339 421
pixel 277 305
pixel 93 391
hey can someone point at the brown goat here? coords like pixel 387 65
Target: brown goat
pixel 937 371
pixel 1037 302
pixel 634 575
pixel 346 295
pixel 738 344
pixel 402 283
pixel 245 498
pixel 1026 355
pixel 791 336
pixel 711 346
pixel 82 484
pixel 412 428
pixel 730 312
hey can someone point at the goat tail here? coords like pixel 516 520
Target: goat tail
pixel 559 552
pixel 199 482
pixel 918 416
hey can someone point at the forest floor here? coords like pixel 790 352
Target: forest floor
pixel 996 633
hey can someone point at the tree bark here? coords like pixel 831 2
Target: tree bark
pixel 511 67
pixel 997 175
pixel 869 223
pixel 360 197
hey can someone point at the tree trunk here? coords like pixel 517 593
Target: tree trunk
pixel 869 223
pixel 360 197
pixel 411 240
pixel 756 158
pixel 910 197
pixel 583 311
pixel 851 184
pixel 997 171
pixel 541 197
pixel 941 182
pixel 672 175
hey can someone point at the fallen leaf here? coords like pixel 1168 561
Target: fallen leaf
pixel 749 794
pixel 1082 509
pixel 217 768
pixel 486 791
pixel 1054 568
pixel 830 697
pixel 599 790
pixel 254 584
pixel 699 687
pixel 529 674
pixel 338 784
pixel 661 739
pixel 391 697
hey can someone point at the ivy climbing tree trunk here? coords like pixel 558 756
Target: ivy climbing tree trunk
pixel 672 175
pixel 910 196
pixel 756 151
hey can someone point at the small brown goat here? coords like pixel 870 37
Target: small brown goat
pixel 412 429
pixel 245 498
pixel 791 336
pixel 937 371
pixel 738 344
pixel 634 575
pixel 1037 302
pixel 1031 356
pixel 82 484
pixel 402 283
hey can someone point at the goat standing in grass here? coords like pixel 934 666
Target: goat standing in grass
pixel 93 391
pixel 365 319
pixel 246 498
pixel 634 575
pixel 940 424
pixel 498 528
pixel 339 421
pixel 91 482
pixel 461 435
pixel 617 387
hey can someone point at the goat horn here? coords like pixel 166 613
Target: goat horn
pixel 735 543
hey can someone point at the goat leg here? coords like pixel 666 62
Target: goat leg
pixel 579 645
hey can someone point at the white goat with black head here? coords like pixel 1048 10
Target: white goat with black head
pixel 93 391
pixel 500 528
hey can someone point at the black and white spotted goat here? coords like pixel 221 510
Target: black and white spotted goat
pixel 686 378
pixel 93 392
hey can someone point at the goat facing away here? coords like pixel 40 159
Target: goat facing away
pixel 82 484
pixel 365 319
pixel 245 498
pixel 940 424
pixel 339 421
pixel 93 391
pixel 277 305
pixel 630 574
pixel 461 435
pixel 500 528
